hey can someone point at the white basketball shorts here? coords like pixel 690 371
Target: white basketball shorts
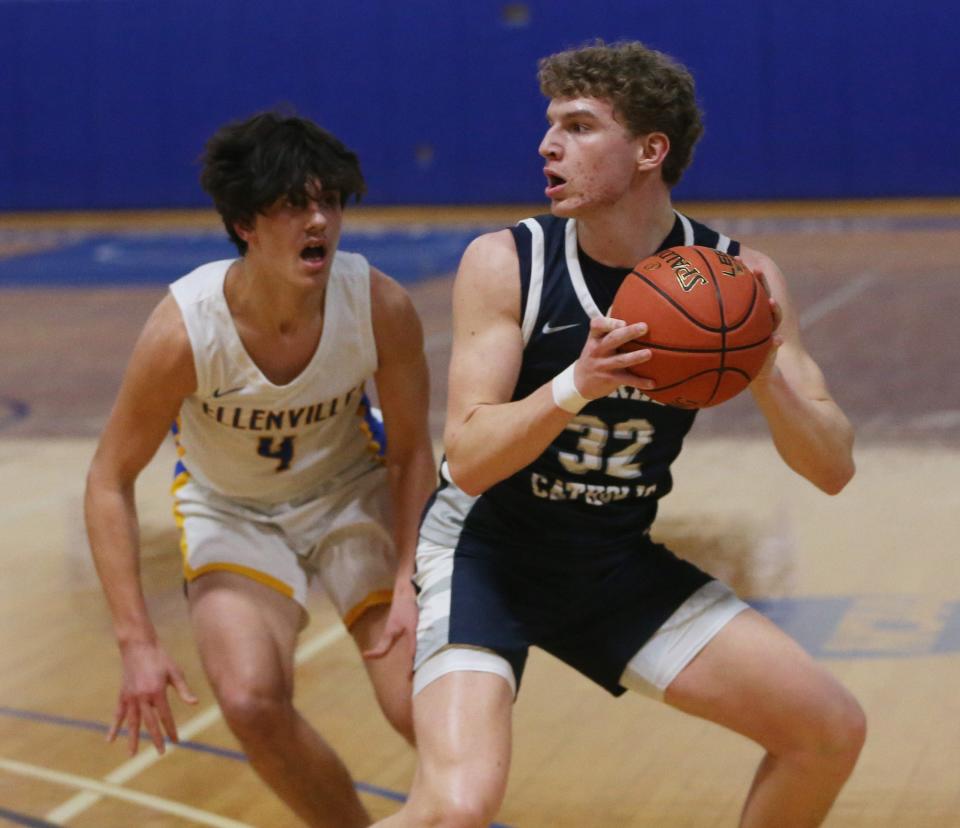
pixel 341 537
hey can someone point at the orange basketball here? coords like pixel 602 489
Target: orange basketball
pixel 709 320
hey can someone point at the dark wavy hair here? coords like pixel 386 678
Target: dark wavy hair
pixel 248 165
pixel 648 90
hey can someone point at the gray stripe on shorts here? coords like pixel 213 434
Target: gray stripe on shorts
pixel 441 585
pixel 434 577
pixel 444 520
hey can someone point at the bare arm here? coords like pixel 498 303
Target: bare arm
pixel 811 433
pixel 488 437
pixel 160 374
pixel 403 390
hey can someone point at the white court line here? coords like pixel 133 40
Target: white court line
pixel 125 772
pixel 117 792
pixel 319 642
pixel 833 301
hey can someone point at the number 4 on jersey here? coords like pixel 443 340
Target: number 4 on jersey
pixel 283 452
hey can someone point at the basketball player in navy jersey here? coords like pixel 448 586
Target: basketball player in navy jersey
pixel 555 461
pixel 262 362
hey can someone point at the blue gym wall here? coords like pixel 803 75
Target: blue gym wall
pixel 107 103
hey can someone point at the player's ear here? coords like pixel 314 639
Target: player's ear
pixel 652 150
pixel 243 230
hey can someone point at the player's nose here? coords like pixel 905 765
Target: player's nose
pixel 549 147
pixel 316 217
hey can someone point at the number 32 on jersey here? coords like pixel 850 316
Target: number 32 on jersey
pixel 611 450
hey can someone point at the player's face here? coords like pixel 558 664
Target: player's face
pixel 590 157
pixel 298 242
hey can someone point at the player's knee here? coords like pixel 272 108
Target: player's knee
pixel 836 735
pixel 452 811
pixel 849 730
pixel 455 795
pixel 254 713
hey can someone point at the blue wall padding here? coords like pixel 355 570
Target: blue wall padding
pixel 107 103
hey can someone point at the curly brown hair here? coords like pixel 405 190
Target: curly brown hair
pixel 649 90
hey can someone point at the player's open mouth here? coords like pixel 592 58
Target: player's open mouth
pixel 314 253
pixel 555 184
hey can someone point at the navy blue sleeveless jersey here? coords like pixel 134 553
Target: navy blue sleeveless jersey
pixel 559 555
pixel 600 479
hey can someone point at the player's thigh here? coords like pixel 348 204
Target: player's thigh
pixel 463 724
pixel 246 631
pixel 391 674
pixel 754 679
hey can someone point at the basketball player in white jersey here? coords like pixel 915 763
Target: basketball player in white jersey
pixel 262 364
pixel 555 461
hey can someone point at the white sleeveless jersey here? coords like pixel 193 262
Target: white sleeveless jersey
pixel 245 437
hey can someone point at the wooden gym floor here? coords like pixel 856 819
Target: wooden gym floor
pixel 867 580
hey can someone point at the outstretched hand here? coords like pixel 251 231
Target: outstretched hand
pixel 147 670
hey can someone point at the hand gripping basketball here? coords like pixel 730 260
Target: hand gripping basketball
pixel 709 320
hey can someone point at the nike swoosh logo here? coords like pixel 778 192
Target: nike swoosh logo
pixel 218 393
pixel 549 329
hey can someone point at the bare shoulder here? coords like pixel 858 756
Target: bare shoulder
pixel 396 323
pixel 165 326
pixel 164 348
pixel 496 248
pixel 489 274
pixel 159 376
pixel 389 297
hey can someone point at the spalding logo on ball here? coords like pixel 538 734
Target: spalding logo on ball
pixel 709 324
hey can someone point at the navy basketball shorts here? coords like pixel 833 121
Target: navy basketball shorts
pixel 630 618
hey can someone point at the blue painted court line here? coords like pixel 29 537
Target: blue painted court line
pixel 225 753
pixel 48 718
pixel 89 258
pixel 24 819
pixel 99 727
pixel 76 259
pixel 829 627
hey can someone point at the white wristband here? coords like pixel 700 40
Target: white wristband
pixel 565 393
